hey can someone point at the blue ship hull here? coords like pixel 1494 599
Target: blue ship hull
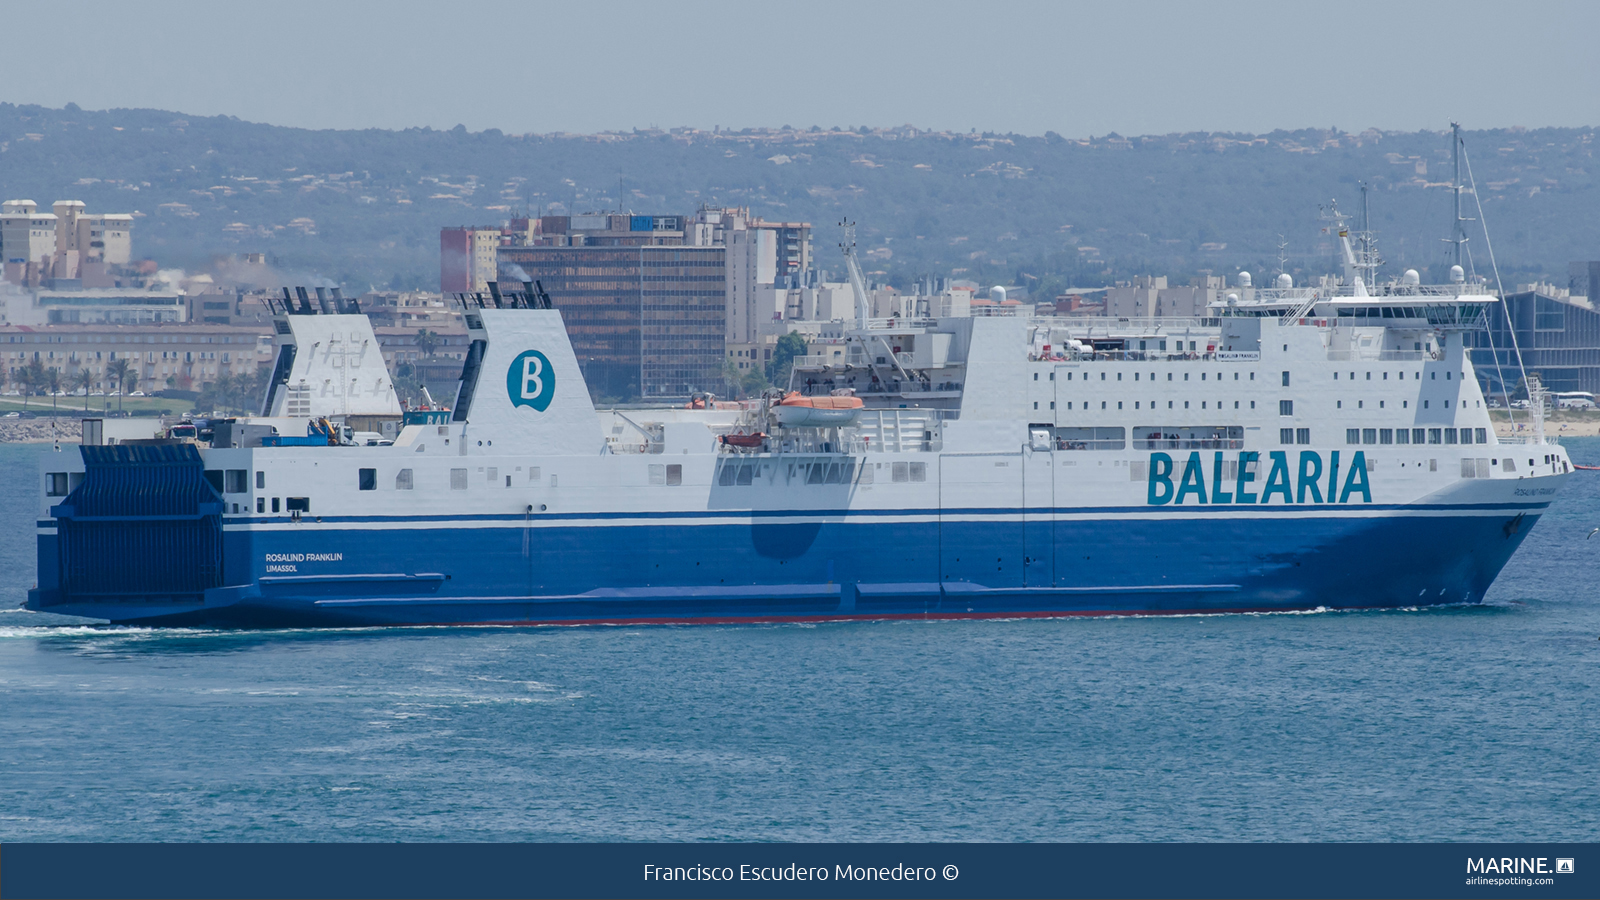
pixel 366 571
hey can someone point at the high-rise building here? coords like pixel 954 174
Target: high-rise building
pixel 467 258
pixel 69 246
pixel 765 260
pixel 644 320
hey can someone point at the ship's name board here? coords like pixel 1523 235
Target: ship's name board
pixel 1308 479
pixel 285 562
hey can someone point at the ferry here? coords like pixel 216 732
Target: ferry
pixel 1300 447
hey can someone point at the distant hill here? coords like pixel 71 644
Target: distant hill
pixel 364 207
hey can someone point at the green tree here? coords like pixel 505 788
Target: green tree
pixel 32 378
pixel 52 380
pixel 789 346
pixel 82 379
pixel 117 374
pixel 427 342
pixel 754 382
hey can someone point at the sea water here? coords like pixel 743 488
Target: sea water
pixel 1470 723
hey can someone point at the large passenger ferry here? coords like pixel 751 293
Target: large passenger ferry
pixel 1301 447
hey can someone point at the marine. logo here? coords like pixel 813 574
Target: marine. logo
pixel 531 381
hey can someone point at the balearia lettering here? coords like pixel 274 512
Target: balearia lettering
pixel 1307 479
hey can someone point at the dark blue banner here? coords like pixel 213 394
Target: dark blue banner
pixel 438 871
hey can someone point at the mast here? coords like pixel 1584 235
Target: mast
pixel 858 284
pixel 1459 236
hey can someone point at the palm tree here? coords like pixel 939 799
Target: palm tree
pixel 32 378
pixel 52 380
pixel 117 373
pixel 82 379
pixel 427 342
pixel 130 380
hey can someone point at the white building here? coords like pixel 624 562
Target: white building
pixel 765 262
pixel 66 245
pixel 26 236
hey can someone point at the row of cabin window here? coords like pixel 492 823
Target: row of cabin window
pixel 404 480
pixel 1153 376
pixel 1416 376
pixel 1087 404
pixel 1416 435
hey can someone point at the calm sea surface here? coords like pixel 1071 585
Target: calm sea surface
pixel 1479 723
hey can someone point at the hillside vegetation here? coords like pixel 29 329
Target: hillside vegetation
pixel 364 207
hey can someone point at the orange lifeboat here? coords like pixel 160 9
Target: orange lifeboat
pixel 797 411
pixel 744 441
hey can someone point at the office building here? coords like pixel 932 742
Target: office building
pixel 1557 331
pixel 645 320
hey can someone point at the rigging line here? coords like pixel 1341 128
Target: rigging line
pixel 1501 288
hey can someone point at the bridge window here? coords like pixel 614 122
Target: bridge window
pixel 367 479
pixel 1285 435
pixel 237 481
pixel 1449 435
pixel 1385 435
pixel 1369 435
pixel 275 504
pixel 1402 435
pixel 1352 435
pixel 1435 436
pixel 1302 435
pixel 55 484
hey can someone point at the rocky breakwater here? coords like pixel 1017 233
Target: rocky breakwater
pixel 44 430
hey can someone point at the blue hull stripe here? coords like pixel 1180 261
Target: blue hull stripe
pixel 860 566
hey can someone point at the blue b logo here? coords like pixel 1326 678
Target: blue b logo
pixel 531 381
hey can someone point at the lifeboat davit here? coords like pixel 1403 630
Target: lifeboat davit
pixel 796 411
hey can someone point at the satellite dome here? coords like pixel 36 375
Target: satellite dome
pixel 1457 275
pixel 997 294
pixel 1285 280
pixel 1244 279
pixel 1411 277
pixel 1233 299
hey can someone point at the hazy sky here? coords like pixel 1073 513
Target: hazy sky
pixel 1075 68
